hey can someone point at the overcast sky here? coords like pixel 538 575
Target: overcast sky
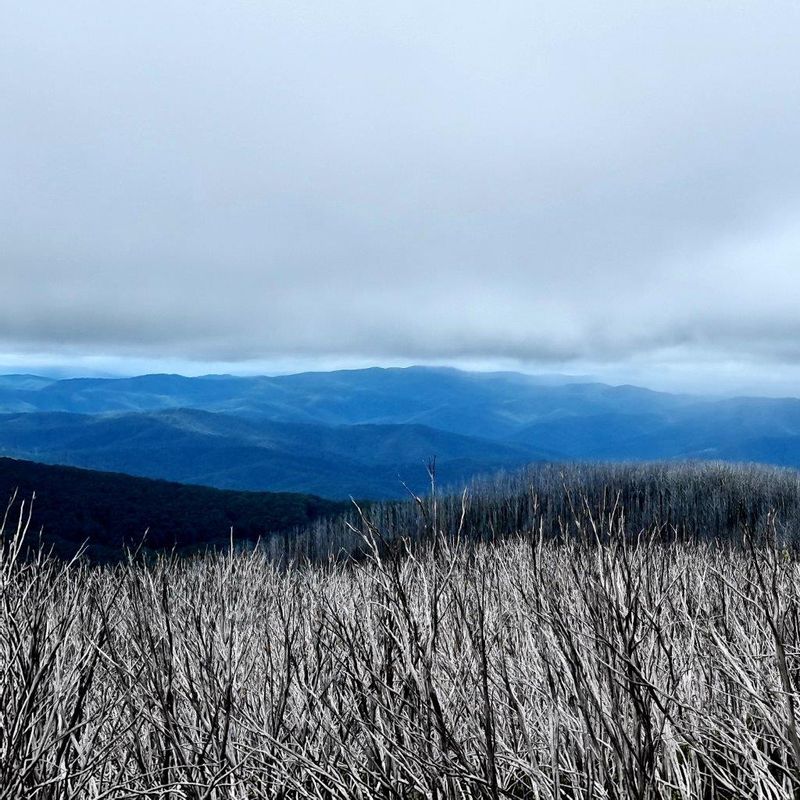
pixel 603 187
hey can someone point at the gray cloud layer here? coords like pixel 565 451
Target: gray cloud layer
pixel 542 182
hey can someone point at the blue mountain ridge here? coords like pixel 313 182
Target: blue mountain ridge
pixel 366 432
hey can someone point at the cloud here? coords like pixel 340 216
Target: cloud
pixel 542 183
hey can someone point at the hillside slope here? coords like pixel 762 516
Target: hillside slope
pixel 109 510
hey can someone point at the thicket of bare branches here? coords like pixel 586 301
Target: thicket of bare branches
pixel 617 663
pixel 695 500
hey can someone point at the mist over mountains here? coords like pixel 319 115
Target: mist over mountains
pixel 367 432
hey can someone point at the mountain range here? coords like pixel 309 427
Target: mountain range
pixel 369 433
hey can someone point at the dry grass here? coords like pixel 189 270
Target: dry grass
pixel 608 666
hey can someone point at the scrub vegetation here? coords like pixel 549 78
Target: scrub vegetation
pixel 627 632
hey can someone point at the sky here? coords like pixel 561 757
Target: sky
pixel 604 188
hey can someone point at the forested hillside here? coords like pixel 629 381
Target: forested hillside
pixel 109 511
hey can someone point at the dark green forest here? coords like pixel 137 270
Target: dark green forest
pixel 110 511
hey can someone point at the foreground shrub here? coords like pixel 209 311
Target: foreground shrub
pixel 617 665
